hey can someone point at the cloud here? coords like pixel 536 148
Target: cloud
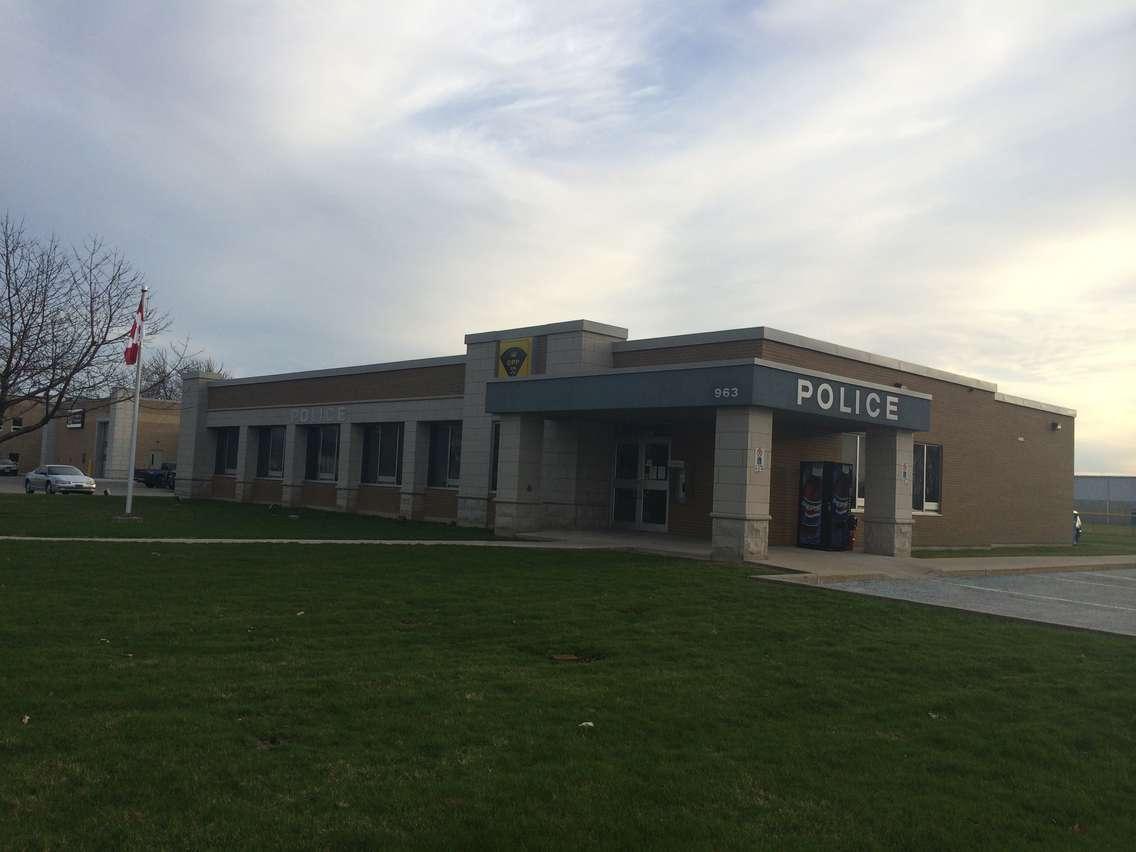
pixel 305 186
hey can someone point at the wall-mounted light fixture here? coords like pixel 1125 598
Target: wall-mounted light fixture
pixel 1022 438
pixel 1055 426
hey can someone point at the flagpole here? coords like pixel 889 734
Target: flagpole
pixel 137 400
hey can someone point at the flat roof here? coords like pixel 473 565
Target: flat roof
pixel 443 361
pixel 777 335
pixel 696 339
pixel 550 328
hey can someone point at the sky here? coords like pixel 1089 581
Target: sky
pixel 310 185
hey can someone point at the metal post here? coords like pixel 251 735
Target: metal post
pixel 137 400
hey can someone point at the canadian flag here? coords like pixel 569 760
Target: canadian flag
pixel 134 346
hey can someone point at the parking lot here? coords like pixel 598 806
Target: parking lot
pixel 116 487
pixel 1096 600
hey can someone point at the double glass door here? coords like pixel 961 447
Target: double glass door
pixel 641 484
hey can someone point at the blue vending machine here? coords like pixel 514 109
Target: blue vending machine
pixel 826 498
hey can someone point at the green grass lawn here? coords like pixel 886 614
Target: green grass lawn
pixel 1097 540
pixel 164 517
pixel 235 697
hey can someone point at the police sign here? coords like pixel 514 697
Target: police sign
pixel 728 383
pixel 846 400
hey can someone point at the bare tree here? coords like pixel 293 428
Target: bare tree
pixel 162 373
pixel 64 314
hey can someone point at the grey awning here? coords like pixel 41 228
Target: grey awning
pixel 715 384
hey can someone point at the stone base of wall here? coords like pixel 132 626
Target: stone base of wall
pixel 887 538
pixel 473 511
pixel 410 505
pixel 737 539
pixel 187 487
pixel 346 498
pixel 511 518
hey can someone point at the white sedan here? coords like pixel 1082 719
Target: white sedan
pixel 58 479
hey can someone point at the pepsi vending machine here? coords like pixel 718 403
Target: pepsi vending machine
pixel 825 507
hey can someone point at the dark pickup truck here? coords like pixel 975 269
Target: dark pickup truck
pixel 157 477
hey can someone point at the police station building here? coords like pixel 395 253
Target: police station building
pixel 573 426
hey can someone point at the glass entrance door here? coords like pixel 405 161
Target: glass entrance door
pixel 640 491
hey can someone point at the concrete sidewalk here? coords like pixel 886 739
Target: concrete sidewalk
pixel 805 566
pixel 819 566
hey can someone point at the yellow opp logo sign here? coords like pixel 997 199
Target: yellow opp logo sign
pixel 514 357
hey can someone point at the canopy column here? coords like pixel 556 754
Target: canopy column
pixel 742 448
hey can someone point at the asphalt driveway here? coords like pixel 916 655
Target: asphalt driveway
pixel 1096 600
pixel 116 487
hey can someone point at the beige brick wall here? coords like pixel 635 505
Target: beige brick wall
pixel 995 488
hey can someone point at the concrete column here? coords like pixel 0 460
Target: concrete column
pixel 741 492
pixel 350 465
pixel 594 455
pixel 415 464
pixel 477 435
pixel 558 476
pixel 295 459
pixel 518 503
pixel 246 462
pixel 119 464
pixel 888 471
pixel 47 445
pixel 195 444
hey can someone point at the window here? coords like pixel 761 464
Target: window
pixel 323 453
pixel 861 450
pixel 494 455
pixel 75 419
pixel 226 461
pixel 445 455
pixel 926 474
pixel 382 452
pixel 17 424
pixel 926 478
pixel 270 452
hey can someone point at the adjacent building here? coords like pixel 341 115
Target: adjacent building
pixel 94 436
pixel 572 425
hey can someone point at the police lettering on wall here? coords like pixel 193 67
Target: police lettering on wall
pixel 843 399
pixel 514 357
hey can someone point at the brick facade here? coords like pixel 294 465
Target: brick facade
pixel 1006 472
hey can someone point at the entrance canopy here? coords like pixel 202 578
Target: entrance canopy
pixel 715 384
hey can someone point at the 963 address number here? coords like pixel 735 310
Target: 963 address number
pixel 726 392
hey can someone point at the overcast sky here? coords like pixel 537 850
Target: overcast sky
pixel 318 184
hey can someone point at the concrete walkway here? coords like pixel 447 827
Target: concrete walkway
pixel 819 566
pixel 805 566
pixel 1091 600
pixel 552 545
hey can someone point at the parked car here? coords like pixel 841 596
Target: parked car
pixel 156 477
pixel 8 467
pixel 58 479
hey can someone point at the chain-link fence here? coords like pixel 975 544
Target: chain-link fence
pixel 1105 499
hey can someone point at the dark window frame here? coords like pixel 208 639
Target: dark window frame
pixel 225 458
pixel 449 431
pixel 319 439
pixel 919 479
pixel 494 455
pixel 264 451
pixel 378 468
